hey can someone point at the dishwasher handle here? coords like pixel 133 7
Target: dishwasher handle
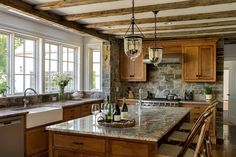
pixel 10 122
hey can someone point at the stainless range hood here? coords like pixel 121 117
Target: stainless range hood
pixel 171 58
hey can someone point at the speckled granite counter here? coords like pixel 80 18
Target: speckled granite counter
pixel 151 125
pixel 10 111
pixel 199 102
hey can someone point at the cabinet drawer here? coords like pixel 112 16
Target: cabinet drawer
pixel 129 149
pixel 80 143
pixel 86 110
pixel 71 113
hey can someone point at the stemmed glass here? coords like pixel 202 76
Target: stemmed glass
pixel 95 111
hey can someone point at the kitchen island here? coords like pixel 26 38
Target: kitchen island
pixel 81 137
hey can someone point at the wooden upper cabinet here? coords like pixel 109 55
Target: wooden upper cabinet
pixel 199 62
pixel 190 67
pixel 208 63
pixel 132 71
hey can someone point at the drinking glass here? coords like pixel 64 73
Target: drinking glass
pixel 95 111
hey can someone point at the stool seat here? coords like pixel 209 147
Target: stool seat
pixel 167 150
pixel 179 136
pixel 186 126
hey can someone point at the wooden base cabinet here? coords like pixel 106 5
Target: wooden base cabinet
pixel 37 142
pixel 76 145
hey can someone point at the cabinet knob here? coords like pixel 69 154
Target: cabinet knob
pixel 131 75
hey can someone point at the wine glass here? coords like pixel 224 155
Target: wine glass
pixel 103 108
pixel 95 111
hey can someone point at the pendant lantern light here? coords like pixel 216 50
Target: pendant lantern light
pixel 132 41
pixel 155 53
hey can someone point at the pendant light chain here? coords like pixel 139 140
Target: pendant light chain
pixel 155 34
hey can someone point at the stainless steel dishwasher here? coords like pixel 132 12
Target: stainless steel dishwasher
pixel 12 136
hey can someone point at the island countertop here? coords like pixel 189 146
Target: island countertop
pixel 151 124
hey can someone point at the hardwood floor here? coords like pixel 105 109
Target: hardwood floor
pixel 228 147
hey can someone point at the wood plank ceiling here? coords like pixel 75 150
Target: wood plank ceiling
pixel 176 18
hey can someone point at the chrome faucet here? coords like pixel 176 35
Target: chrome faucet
pixel 26 101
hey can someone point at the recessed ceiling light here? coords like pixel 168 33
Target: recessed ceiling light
pixel 23 14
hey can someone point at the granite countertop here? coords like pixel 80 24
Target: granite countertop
pixel 151 125
pixel 199 102
pixel 182 101
pixel 10 111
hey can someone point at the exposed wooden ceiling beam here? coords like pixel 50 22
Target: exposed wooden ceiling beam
pixel 220 35
pixel 141 9
pixel 68 3
pixel 175 27
pixel 28 9
pixel 192 33
pixel 200 16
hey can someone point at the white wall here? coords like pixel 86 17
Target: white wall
pixel 229 52
pixel 33 27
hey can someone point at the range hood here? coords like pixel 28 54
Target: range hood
pixel 171 58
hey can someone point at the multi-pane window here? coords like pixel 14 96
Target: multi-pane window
pixel 95 64
pixel 22 59
pixel 68 62
pixel 51 66
pixel 24 64
pixel 59 59
pixel 4 53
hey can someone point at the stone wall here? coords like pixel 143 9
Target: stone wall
pixel 167 77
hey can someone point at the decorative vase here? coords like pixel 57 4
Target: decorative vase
pixel 208 97
pixel 61 93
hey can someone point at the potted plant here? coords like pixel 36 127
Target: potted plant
pixel 208 92
pixel 62 80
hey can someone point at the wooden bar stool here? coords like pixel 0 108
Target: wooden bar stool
pixel 180 136
pixel 168 150
pixel 188 126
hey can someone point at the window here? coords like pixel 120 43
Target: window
pixel 23 57
pixel 51 66
pixel 4 53
pixel 95 66
pixel 24 61
pixel 68 65
pixel 59 59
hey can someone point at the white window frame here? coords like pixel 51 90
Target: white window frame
pixel 39 61
pixel 14 35
pixel 90 66
pixel 75 62
pixel 60 63
pixel 8 58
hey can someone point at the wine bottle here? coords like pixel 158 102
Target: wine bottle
pixel 116 115
pixel 124 110
pixel 108 115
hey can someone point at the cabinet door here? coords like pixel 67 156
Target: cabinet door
pixel 124 67
pixel 86 109
pixel 190 63
pixel 132 70
pixel 36 141
pixel 139 69
pixel 207 63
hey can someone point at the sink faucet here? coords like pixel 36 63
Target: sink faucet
pixel 26 101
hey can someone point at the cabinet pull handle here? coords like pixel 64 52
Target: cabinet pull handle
pixel 131 75
pixel 78 143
